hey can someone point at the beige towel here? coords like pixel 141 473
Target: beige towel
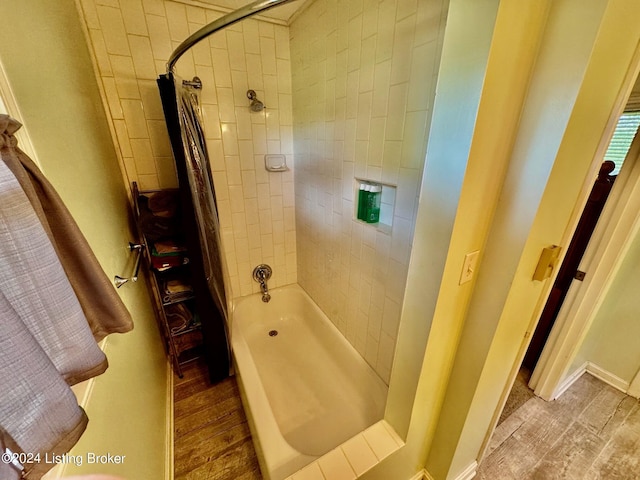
pixel 100 302
pixel 55 302
pixel 45 342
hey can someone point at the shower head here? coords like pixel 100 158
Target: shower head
pixel 255 105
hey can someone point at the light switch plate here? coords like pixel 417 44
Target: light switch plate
pixel 469 266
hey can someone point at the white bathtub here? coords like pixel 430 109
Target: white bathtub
pixel 305 389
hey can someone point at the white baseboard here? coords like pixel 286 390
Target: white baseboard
pixel 570 380
pixel 598 372
pixel 469 472
pixel 608 377
pixel 634 387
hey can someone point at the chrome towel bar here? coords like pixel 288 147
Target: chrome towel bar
pixel 118 280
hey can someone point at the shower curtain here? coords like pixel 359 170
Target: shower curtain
pixel 181 104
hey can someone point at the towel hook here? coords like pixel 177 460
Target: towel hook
pixel 118 280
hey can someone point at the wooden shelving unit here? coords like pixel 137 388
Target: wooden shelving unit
pixel 169 279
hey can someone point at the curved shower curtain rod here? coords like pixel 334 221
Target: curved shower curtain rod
pixel 222 22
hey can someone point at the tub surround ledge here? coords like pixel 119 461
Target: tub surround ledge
pixel 355 456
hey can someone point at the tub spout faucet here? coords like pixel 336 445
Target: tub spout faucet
pixel 261 274
pixel 263 283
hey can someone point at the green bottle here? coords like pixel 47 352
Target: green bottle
pixel 362 201
pixel 373 204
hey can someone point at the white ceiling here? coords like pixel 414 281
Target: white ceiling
pixel 282 12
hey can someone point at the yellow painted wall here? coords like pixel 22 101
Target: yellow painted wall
pixel 417 388
pixel 514 50
pixel 460 79
pixel 51 76
pixel 573 95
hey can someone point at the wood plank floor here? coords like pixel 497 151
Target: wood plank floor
pixel 591 432
pixel 212 438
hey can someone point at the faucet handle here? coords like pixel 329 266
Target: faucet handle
pixel 262 273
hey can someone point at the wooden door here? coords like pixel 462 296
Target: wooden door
pixel 569 268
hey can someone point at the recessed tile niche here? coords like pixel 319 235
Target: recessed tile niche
pixel 387 203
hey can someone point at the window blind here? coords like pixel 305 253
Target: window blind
pixel 622 137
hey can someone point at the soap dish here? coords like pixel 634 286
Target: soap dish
pixel 275 163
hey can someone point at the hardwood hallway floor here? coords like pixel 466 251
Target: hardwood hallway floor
pixel 212 438
pixel 591 432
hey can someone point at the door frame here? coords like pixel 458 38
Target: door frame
pixel 634 386
pixel 611 240
pixel 569 330
pixel 617 76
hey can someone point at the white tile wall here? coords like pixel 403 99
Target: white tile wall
pixel 132 41
pixel 359 79
pixel 362 77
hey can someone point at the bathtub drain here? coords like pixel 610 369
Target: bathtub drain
pixel 273 333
